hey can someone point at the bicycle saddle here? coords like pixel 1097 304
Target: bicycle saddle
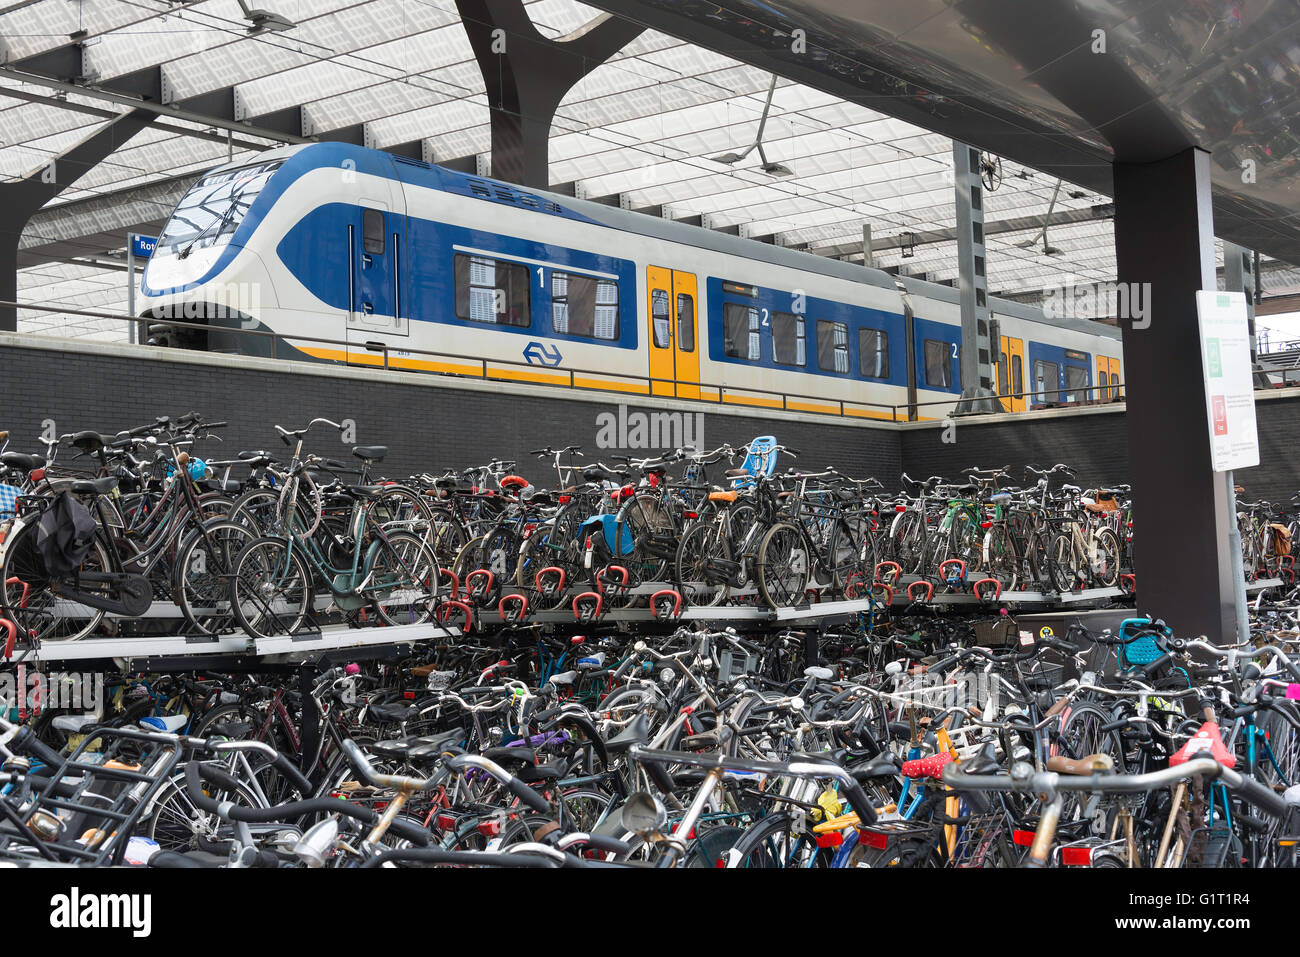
pixel 370 453
pixel 636 733
pixel 99 486
pixel 1088 764
pixel 88 441
pixel 984 762
pixel 883 765
pixel 508 754
pixel 931 767
pixel 1206 742
pixel 22 461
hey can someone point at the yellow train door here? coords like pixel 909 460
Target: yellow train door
pixel 1011 373
pixel 673 333
pixel 1108 376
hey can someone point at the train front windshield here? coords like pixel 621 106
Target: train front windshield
pixel 212 210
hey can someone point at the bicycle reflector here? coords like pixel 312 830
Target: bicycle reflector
pixel 1076 856
pixel 874 839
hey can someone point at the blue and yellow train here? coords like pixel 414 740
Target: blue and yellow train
pixel 354 255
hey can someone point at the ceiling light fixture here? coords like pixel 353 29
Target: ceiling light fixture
pixel 265 21
pixel 1048 250
pixel 768 167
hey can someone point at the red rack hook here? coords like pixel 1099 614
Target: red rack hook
pixel 584 599
pixel 448 574
pixel 663 596
pixel 11 637
pixel 897 573
pixel 445 611
pixel 950 579
pixel 929 592
pixel 508 602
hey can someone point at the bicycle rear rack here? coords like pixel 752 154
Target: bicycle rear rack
pixel 102 800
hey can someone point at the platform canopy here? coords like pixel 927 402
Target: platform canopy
pixel 645 130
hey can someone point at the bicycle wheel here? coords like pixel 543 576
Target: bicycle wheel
pixel 844 551
pixel 467 559
pixel 1060 564
pixel 447 535
pixel 29 601
pixel 965 541
pixel 271 588
pixel 1000 558
pixel 398 505
pixel 407 571
pixel 695 582
pixel 653 535
pixel 178 824
pixel 1081 734
pixel 204 565
pixel 256 509
pixel 783 566
pixel 907 538
pixel 1105 558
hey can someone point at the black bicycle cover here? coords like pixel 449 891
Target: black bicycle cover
pixel 65 535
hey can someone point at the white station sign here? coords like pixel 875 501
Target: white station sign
pixel 1229 382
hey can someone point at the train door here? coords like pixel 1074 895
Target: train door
pixel 1107 378
pixel 1011 373
pixel 673 333
pixel 376 275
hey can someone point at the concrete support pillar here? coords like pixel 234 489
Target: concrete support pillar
pixel 1164 236
pixel 972 274
pixel 527 75
pixel 20 200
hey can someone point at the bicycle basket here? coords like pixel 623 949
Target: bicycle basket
pixel 8 499
pixel 733 664
pixel 1144 649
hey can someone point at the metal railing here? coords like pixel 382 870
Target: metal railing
pixel 1109 394
pixel 478 367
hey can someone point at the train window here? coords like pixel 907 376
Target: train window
pixel 788 346
pixel 938 363
pixel 1017 377
pixel 372 231
pixel 1076 382
pixel 873 353
pixel 212 210
pixel 685 322
pixel 1047 379
pixel 491 291
pixel 1002 373
pixel 740 337
pixel 832 346
pixel 584 306
pixel 1114 385
pixel 659 318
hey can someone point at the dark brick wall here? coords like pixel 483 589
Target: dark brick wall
pixel 430 428
pixel 425 428
pixel 1097 445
